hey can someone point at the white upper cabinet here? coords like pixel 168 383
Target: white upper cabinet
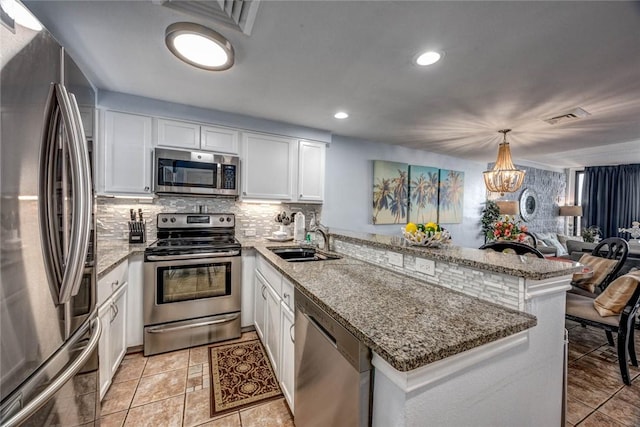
pixel 311 158
pixel 125 156
pixel 219 139
pixel 193 136
pixel 281 168
pixel 267 166
pixel 176 134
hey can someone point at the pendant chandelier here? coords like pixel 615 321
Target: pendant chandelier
pixel 504 177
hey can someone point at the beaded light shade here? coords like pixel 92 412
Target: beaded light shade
pixel 504 177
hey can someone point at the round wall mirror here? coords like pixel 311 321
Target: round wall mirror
pixel 528 204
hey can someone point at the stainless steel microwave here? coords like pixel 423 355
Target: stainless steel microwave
pixel 195 173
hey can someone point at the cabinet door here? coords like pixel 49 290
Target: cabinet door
pixel 268 168
pixel 311 158
pixel 104 366
pixel 127 153
pixel 172 133
pixel 221 140
pixel 135 326
pixel 259 304
pixel 287 351
pixel 248 289
pixel 272 329
pixel 118 328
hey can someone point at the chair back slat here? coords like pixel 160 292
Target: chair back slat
pixel 518 248
pixel 612 248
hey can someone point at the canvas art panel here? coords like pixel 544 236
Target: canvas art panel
pixel 451 198
pixel 390 192
pixel 424 186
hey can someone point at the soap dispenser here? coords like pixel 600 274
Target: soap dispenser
pixel 299 227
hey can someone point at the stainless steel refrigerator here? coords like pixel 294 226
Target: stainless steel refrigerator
pixel 49 329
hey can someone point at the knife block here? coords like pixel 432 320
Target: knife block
pixel 137 231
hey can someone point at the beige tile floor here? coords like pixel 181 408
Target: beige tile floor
pixel 596 395
pixel 172 389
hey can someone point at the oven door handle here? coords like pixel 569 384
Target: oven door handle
pixel 192 256
pixel 161 329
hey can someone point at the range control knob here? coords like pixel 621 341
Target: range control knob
pixel 164 219
pixel 228 219
pixel 221 219
pixel 173 219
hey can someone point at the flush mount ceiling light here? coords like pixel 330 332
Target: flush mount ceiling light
pixel 428 58
pixel 199 46
pixel 341 115
pixel 504 177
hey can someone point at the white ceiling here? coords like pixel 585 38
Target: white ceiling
pixel 506 65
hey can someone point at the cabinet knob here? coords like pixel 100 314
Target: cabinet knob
pixel 244 193
pixel 285 295
pixel 114 284
pixel 300 196
pixel 146 188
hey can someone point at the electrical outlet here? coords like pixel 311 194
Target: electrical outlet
pixel 395 258
pixel 250 232
pixel 426 266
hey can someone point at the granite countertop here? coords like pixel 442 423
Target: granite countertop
pixel 514 265
pixel 112 252
pixel 409 323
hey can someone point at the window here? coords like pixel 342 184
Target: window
pixel 579 182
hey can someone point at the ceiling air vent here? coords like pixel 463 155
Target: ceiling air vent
pixel 572 115
pixel 237 14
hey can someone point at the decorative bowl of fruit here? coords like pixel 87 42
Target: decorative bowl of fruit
pixel 429 235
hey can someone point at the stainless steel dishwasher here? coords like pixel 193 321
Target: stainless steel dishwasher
pixel 333 371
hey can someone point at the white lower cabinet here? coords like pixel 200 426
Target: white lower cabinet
pixel 259 304
pixel 287 371
pixel 113 341
pixel 272 328
pixel 273 319
pixel 112 312
pixel 135 326
pixel 248 288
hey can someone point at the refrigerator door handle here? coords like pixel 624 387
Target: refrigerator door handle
pixel 84 195
pixel 54 253
pixel 43 397
pixel 79 223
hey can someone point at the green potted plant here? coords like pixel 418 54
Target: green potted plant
pixel 490 214
pixel 590 233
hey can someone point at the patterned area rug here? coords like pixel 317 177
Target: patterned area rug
pixel 241 376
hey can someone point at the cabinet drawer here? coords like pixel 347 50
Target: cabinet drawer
pixel 287 293
pixel 112 281
pixel 270 273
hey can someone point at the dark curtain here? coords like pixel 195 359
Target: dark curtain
pixel 611 198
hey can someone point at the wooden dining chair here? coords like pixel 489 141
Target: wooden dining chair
pixel 613 249
pixel 518 248
pixel 580 308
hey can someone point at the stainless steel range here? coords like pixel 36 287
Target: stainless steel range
pixel 192 280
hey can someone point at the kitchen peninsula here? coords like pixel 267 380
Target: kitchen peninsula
pixel 487 351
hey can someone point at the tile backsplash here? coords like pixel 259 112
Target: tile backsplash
pixel 113 214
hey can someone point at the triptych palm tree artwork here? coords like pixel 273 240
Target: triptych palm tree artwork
pixel 406 193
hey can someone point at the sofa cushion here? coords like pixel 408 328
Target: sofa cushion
pixel 613 299
pixel 551 239
pixel 601 269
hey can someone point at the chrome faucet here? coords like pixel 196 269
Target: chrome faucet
pixel 325 234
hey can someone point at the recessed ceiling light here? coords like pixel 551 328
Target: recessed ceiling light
pixel 199 46
pixel 22 16
pixel 341 115
pixel 428 58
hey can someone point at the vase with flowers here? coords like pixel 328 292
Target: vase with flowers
pixel 508 228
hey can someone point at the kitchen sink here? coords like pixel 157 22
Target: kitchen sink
pixel 302 254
